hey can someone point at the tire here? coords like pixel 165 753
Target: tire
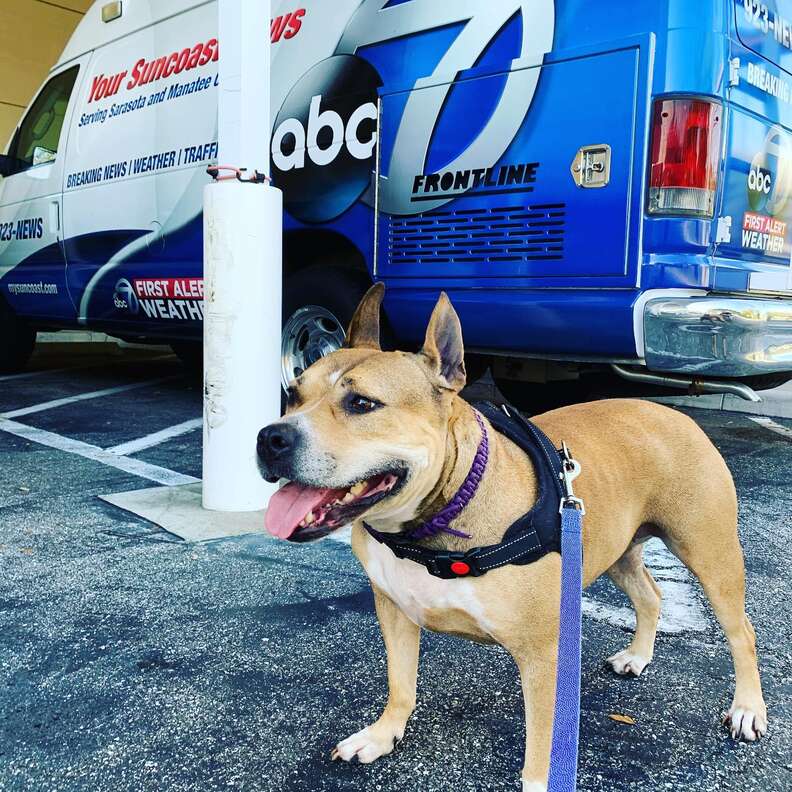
pixel 17 340
pixel 321 295
pixel 190 353
pixel 318 305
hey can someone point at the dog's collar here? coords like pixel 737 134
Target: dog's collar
pixel 441 521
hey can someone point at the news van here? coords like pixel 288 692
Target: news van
pixel 599 187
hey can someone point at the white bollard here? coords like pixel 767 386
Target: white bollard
pixel 242 328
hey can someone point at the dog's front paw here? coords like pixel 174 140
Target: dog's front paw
pixel 626 663
pixel 744 723
pixel 368 744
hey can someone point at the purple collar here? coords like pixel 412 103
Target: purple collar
pixel 441 521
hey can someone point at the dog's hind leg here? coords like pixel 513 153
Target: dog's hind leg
pixel 713 554
pixel 402 641
pixel 635 580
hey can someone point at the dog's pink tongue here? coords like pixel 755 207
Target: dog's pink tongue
pixel 290 504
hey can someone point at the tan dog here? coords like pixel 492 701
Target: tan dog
pixel 384 435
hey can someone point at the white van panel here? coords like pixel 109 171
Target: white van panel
pixel 144 130
pixel 142 136
pixel 92 32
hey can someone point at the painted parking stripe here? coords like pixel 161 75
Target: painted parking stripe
pixel 51 405
pixel 681 609
pixel 81 367
pixel 770 424
pixel 342 535
pixel 28 374
pixel 155 438
pixel 136 467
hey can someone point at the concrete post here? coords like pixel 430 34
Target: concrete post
pixel 242 270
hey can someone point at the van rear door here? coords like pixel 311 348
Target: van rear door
pixel 475 184
pixel 757 187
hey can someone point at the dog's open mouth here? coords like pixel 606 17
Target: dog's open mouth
pixel 301 513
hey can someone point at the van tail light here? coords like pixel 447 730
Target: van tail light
pixel 685 155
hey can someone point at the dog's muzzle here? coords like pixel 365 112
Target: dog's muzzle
pixel 276 445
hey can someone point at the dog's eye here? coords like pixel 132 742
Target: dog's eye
pixel 355 403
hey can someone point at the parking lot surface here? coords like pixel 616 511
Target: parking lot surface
pixel 131 660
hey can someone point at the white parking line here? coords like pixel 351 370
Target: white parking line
pixel 28 374
pixel 155 438
pixel 50 405
pixel 81 367
pixel 134 466
pixel 342 535
pixel 770 424
pixel 681 609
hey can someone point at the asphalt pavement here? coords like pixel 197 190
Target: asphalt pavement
pixel 130 660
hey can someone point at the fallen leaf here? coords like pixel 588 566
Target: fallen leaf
pixel 622 718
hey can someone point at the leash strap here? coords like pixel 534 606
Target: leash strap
pixel 566 723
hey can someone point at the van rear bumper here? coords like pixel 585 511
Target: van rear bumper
pixel 719 336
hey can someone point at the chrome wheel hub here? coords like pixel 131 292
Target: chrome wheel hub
pixel 310 333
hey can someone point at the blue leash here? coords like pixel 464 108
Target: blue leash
pixel 566 723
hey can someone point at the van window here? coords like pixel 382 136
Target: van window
pixel 36 140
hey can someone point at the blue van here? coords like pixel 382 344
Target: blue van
pixel 600 187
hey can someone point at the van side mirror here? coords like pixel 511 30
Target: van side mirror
pixel 11 165
pixel 42 155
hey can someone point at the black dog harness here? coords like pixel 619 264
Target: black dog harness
pixel 526 540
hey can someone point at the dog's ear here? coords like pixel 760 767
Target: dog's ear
pixel 443 348
pixel 364 329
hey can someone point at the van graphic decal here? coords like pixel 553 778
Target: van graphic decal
pixel 769 186
pixel 326 130
pixel 324 139
pixel 161 298
pixel 377 22
pixel 480 181
pixel 145 72
pixel 287 25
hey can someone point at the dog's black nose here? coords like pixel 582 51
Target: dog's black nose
pixel 276 441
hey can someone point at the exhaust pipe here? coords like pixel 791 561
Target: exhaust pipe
pixel 693 386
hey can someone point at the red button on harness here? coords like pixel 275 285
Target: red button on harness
pixel 460 568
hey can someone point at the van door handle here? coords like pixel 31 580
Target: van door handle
pixel 55 218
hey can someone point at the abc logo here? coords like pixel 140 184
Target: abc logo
pixel 760 186
pixel 124 297
pixel 759 181
pixel 325 137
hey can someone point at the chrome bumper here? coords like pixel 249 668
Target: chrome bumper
pixel 718 336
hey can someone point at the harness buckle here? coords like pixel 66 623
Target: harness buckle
pixel 570 470
pixel 454 564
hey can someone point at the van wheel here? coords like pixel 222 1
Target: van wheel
pixel 17 340
pixel 318 304
pixel 190 354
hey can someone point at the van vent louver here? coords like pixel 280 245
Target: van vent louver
pixel 484 236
